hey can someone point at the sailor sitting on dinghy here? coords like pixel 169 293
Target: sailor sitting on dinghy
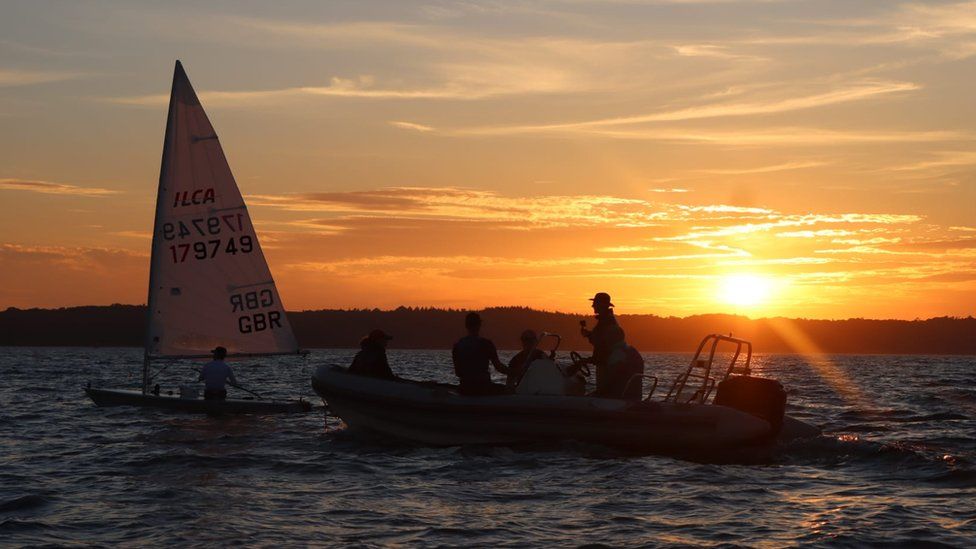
pixel 472 355
pixel 371 359
pixel 215 375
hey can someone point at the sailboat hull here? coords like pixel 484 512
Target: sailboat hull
pixel 122 397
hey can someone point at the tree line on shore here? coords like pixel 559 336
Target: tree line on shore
pixel 430 328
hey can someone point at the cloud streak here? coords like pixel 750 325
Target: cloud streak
pixel 766 136
pixel 339 88
pixel 410 126
pixel 16 77
pixel 459 204
pixel 787 166
pixel 46 187
pixel 850 93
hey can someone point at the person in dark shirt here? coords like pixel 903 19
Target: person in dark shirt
pixel 519 363
pixel 472 355
pixel 609 348
pixel 371 359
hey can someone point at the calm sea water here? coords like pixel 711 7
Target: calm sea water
pixel 897 465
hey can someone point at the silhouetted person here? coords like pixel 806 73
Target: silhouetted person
pixel 519 363
pixel 609 349
pixel 371 359
pixel 215 375
pixel 472 355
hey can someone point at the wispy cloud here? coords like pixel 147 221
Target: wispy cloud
pixel 360 88
pixel 725 208
pixel 947 28
pixel 796 136
pixel 815 234
pixel 50 276
pixel 474 206
pixel 623 249
pixel 787 166
pixel 751 136
pixel 46 187
pixel 16 77
pixel 852 92
pixel 411 126
pixel 866 241
pixel 90 260
pixel 778 221
pixel 941 159
pixel 448 64
pixel 945 244
pixel 776 261
pixel 944 23
pixel 143 235
pixel 711 50
pixel 866 250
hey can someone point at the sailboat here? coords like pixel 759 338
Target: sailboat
pixel 209 283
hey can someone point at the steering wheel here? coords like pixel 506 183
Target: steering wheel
pixel 580 364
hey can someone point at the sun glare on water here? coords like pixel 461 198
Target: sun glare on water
pixel 745 290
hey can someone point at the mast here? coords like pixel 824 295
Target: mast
pixel 150 302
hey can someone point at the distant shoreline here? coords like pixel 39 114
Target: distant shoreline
pixel 433 329
pixel 394 349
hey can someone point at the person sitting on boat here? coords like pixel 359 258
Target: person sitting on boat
pixel 215 375
pixel 609 349
pixel 520 362
pixel 472 355
pixel 371 359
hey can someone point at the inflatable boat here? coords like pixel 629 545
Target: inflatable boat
pixel 745 410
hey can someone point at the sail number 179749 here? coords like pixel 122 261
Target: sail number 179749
pixel 208 227
pixel 208 249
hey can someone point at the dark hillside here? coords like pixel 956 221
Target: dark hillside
pixel 123 325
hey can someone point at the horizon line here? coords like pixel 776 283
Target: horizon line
pixel 523 307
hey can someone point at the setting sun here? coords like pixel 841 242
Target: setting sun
pixel 745 290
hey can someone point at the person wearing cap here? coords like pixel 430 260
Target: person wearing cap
pixel 371 359
pixel 472 355
pixel 215 375
pixel 609 348
pixel 520 362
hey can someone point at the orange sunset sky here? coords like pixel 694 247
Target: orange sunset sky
pixel 797 158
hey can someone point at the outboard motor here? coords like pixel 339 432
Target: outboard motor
pixel 761 397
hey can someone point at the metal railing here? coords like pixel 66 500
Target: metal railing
pixel 636 377
pixel 701 369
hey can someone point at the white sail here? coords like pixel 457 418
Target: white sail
pixel 209 282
